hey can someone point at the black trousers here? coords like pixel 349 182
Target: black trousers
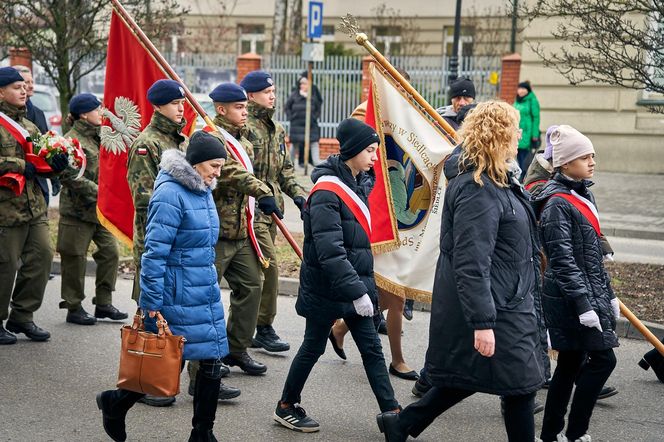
pixel 315 339
pixel 519 420
pixel 589 370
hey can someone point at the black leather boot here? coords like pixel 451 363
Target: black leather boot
pixel 655 360
pixel 6 338
pixel 109 311
pixel 114 405
pixel 206 393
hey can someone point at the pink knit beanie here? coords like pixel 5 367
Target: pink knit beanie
pixel 568 145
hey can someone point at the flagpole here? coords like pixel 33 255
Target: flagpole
pixel 168 70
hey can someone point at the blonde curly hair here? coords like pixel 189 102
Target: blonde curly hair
pixel 490 135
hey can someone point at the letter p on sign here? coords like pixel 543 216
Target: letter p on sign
pixel 315 20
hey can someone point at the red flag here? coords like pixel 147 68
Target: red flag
pixel 130 71
pixel 384 234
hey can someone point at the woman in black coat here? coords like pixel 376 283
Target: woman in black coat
pixel 296 112
pixel 580 308
pixel 483 335
pixel 336 278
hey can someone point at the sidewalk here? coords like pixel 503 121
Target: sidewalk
pixel 630 205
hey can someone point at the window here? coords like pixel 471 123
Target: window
pixel 465 41
pixel 388 40
pixel 328 33
pixel 251 38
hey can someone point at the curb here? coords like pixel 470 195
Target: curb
pixel 290 287
pixel 655 235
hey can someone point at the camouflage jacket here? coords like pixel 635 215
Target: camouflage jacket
pixel 272 164
pixel 30 204
pixel 234 187
pixel 79 196
pixel 143 165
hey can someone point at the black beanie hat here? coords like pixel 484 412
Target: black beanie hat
pixel 203 147
pixel 526 85
pixel 462 87
pixel 354 136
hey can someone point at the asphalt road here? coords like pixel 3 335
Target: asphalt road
pixel 48 390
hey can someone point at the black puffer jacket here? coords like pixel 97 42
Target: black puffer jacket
pixel 296 112
pixel 337 267
pixel 485 279
pixel 575 280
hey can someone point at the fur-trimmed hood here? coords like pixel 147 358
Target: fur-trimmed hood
pixel 174 163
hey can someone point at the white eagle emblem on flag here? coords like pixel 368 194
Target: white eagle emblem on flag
pixel 125 126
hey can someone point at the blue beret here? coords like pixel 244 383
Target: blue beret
pixel 9 75
pixel 164 91
pixel 228 93
pixel 256 81
pixel 83 103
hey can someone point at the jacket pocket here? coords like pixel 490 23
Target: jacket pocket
pixel 559 312
pixel 178 286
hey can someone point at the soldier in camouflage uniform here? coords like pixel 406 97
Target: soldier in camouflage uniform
pixel 236 259
pixel 79 224
pixel 273 166
pixel 24 231
pixel 163 133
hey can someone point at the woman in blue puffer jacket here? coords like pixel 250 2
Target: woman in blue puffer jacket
pixel 179 279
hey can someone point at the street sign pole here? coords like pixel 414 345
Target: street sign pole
pixel 314 30
pixel 307 124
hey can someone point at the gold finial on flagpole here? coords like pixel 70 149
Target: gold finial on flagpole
pixel 349 25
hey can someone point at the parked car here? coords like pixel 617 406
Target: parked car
pixel 47 100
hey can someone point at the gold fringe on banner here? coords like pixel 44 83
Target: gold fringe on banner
pixel 402 291
pixel 119 235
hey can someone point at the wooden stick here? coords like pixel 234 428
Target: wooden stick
pixel 168 70
pixel 631 317
pixel 362 40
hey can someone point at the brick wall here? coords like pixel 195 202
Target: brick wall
pixel 20 56
pixel 328 146
pixel 247 63
pixel 366 81
pixel 509 78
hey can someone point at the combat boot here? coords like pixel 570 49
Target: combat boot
pixel 109 311
pixel 268 339
pixel 6 338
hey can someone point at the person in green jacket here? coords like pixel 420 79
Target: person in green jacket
pixel 529 109
pixel 79 224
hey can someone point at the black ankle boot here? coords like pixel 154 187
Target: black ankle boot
pixel 114 405
pixel 655 360
pixel 206 394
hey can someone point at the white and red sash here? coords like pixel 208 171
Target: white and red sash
pixel 239 154
pixel 16 181
pixel 350 198
pixel 585 206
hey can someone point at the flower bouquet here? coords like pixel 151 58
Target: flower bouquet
pixel 51 144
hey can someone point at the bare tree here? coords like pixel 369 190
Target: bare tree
pixel 390 23
pixel 213 32
pixel 620 43
pixel 279 26
pixel 68 37
pixel 294 27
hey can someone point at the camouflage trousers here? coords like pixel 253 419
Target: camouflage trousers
pixel 74 238
pixel 24 285
pixel 266 234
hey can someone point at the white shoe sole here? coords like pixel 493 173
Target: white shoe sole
pixel 290 426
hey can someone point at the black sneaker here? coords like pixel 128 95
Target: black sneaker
pixel 268 339
pixel 607 392
pixel 295 418
pixel 421 387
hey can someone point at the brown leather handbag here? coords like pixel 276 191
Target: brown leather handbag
pixel 150 363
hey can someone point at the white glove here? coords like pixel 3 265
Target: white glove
pixel 615 306
pixel 608 257
pixel 590 319
pixel 363 306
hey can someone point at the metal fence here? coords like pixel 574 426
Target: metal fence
pixel 338 78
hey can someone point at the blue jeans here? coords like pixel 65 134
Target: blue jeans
pixel 315 339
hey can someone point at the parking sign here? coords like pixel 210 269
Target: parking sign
pixel 315 20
